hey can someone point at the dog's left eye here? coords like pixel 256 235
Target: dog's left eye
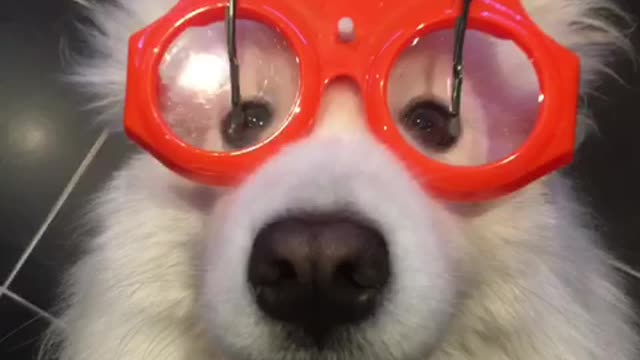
pixel 246 128
pixel 429 124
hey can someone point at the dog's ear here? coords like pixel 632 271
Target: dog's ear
pixel 97 62
pixel 597 30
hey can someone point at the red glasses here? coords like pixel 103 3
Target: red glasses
pixel 213 112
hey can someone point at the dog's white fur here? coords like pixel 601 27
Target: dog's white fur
pixel 517 278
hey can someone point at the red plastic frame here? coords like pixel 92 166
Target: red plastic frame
pixel 384 30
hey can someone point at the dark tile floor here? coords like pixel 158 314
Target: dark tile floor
pixel 52 161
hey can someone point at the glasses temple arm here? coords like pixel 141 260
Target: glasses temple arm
pixel 458 68
pixel 234 67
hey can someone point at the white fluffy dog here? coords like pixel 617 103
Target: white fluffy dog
pixel 519 277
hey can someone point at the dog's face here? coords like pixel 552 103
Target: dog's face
pixel 331 249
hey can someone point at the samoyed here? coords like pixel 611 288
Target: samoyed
pixel 330 250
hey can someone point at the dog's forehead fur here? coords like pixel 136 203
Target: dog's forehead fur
pixel 517 278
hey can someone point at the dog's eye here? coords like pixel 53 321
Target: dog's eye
pixel 195 92
pixel 428 123
pixel 246 128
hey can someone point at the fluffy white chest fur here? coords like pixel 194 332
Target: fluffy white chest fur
pixel 515 278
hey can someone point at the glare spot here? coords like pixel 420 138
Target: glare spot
pixel 29 134
pixel 204 72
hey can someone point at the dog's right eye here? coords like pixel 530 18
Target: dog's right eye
pixel 428 123
pixel 195 95
pixel 245 128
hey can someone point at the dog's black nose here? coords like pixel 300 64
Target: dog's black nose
pixel 319 272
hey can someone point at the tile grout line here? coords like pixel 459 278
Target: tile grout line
pixel 625 269
pixel 17 298
pixel 56 207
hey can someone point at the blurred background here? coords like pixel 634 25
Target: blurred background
pixel 53 159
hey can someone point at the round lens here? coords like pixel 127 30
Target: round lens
pixel 500 98
pixel 195 86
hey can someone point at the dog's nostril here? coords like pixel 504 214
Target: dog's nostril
pixel 319 272
pixel 274 273
pixel 362 275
